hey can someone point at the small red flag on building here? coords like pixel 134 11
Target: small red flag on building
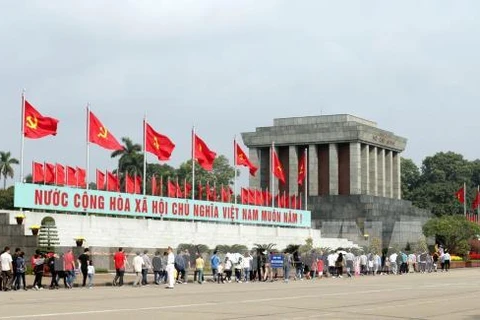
pixel 476 200
pixel 138 184
pixel 36 126
pixel 460 194
pixel 112 182
pixel 171 189
pixel 244 195
pixel 302 172
pixel 100 179
pixel 200 190
pixel 60 175
pixel 278 168
pixel 81 177
pixel 203 154
pixel 187 188
pixel 129 184
pixel 37 173
pixel 154 185
pixel 49 173
pixel 71 176
pixel 242 159
pixel 158 144
pixel 100 135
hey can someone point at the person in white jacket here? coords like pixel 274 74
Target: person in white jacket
pixel 138 264
pixel 247 264
pixel 170 268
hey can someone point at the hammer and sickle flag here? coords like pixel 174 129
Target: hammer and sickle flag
pixel 36 126
pixel 158 144
pixel 242 159
pixel 100 135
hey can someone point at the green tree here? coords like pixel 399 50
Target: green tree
pixel 410 178
pixel 130 157
pixel 48 235
pixel 6 198
pixel 6 166
pixel 453 232
pixel 193 248
pixel 441 176
pixel 264 247
pixel 224 248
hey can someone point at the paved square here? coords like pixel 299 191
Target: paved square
pixel 453 295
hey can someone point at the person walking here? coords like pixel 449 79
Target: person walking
pixel 69 268
pixel 21 267
pixel 14 267
pixel 339 265
pixel 138 264
pixel 199 265
pixel 7 269
pixel 170 268
pixel 51 262
pixel 157 265
pixel 287 263
pixel 90 274
pixel 120 262
pixel 39 262
pixel 147 264
pixel 349 257
pixel 247 264
pixel 60 269
pixel 446 261
pixel 214 263
pixel 180 263
pixel 228 269
pixel 83 265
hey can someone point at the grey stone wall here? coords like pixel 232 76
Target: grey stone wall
pixel 394 221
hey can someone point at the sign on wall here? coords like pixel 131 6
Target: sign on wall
pixel 54 198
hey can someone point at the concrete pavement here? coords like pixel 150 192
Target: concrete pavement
pixel 453 295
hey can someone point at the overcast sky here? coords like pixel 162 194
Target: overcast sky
pixel 231 66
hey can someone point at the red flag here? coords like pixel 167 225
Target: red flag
pixel 223 195
pixel 100 135
pixel 60 175
pixel 251 197
pixel 203 154
pixel 112 182
pixel 476 201
pixel 100 180
pixel 302 173
pixel 161 186
pixel 244 194
pixel 187 188
pixel 158 144
pixel 49 173
pixel 268 197
pixel 277 168
pixel 178 190
pixel 242 159
pixel 129 184
pixel 171 189
pixel 37 173
pixel 259 198
pixel 138 184
pixel 71 176
pixel 81 178
pixel 214 192
pixel 36 126
pixel 461 195
pixel 293 201
pixel 154 185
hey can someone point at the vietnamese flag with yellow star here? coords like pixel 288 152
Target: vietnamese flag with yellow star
pixel 35 125
pixel 157 143
pixel 100 135
pixel 242 159
pixel 302 164
pixel 278 168
pixel 203 154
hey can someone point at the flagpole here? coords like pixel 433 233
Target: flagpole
pixel 88 145
pixel 193 162
pixel 144 153
pixel 22 142
pixel 272 185
pixel 306 178
pixel 478 206
pixel 235 167
pixel 465 199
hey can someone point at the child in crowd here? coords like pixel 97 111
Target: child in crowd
pixel 320 266
pixel 90 273
pixel 220 273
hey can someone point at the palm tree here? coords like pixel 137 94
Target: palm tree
pixel 131 160
pixel 6 169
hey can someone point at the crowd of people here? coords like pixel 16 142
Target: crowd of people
pixel 257 266
pixel 59 266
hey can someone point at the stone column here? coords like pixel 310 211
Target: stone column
pixel 253 155
pixel 397 186
pixel 381 172
pixel 333 168
pixel 292 170
pixel 373 172
pixel 365 185
pixel 355 168
pixel 312 170
pixel 388 174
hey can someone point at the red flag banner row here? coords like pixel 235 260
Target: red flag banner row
pixel 57 174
